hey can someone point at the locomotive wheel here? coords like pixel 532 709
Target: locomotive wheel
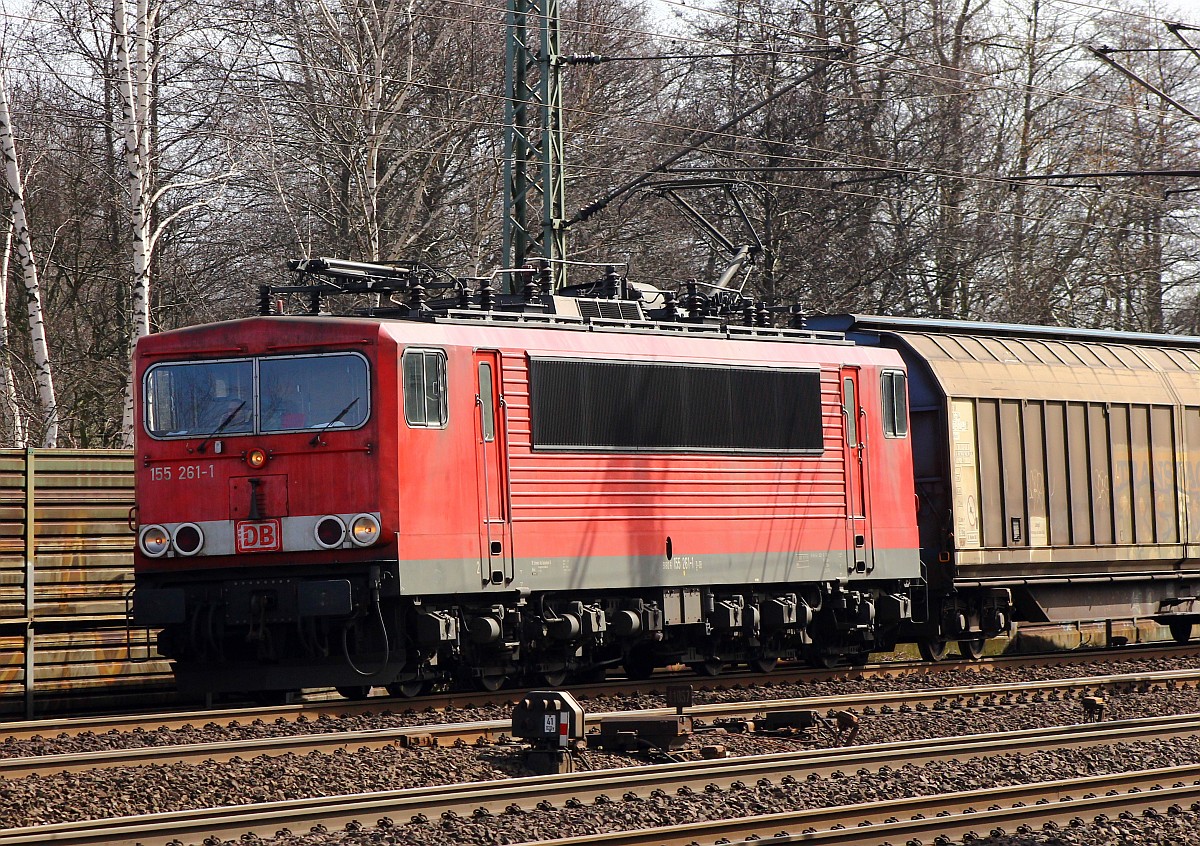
pixel 1181 630
pixel 972 649
pixel 858 659
pixel 764 664
pixel 589 675
pixel 710 667
pixel 821 659
pixel 491 682
pixel 639 664
pixel 932 650
pixel 357 692
pixel 409 689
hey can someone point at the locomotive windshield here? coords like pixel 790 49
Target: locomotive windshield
pixel 308 392
pixel 276 394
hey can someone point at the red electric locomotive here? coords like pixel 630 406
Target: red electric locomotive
pixel 514 488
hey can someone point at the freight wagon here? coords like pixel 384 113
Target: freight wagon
pixel 1058 467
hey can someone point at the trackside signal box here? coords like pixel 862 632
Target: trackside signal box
pixel 550 721
pixel 548 718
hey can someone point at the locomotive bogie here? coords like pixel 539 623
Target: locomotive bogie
pixel 346 633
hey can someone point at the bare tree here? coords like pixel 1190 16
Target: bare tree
pixel 133 86
pixel 42 367
pixel 375 117
pixel 10 399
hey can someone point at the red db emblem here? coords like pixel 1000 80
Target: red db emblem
pixel 257 536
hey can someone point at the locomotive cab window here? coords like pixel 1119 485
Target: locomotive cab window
pixel 312 392
pixel 243 396
pixel 425 388
pixel 197 399
pixel 895 404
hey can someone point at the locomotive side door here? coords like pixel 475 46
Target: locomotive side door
pixel 861 557
pixel 491 452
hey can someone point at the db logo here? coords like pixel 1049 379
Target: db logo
pixel 258 536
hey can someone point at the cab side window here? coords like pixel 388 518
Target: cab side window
pixel 425 388
pixel 895 404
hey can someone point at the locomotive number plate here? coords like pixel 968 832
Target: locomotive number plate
pixel 257 536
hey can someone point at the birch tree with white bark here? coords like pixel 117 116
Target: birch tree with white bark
pixel 8 382
pixel 202 167
pixel 133 87
pixel 42 367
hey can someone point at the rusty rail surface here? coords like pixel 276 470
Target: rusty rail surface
pixel 494 731
pixel 318 705
pixel 192 826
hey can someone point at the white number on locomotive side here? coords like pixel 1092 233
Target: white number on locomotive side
pixel 183 473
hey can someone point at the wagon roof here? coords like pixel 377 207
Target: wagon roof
pixel 1042 363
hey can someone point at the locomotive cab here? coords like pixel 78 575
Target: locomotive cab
pixel 238 551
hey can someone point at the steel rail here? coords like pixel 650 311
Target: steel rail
pixel 315 709
pixel 980 813
pixel 491 731
pixel 230 822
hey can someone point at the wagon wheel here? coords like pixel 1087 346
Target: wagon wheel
pixel 357 692
pixel 554 678
pixel 764 663
pixel 708 667
pixel 932 650
pixel 972 649
pixel 271 698
pixel 409 689
pixel 1181 630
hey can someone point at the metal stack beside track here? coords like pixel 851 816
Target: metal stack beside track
pixel 65 569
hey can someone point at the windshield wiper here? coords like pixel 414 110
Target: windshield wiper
pixel 316 439
pixel 228 419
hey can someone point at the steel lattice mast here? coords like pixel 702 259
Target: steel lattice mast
pixel 533 141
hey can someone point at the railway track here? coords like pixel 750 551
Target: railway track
pixel 1108 794
pixel 315 708
pixel 996 812
pixel 495 731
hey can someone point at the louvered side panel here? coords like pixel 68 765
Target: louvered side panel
pixel 600 487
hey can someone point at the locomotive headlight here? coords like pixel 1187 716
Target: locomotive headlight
pixel 256 458
pixel 188 539
pixel 330 531
pixel 364 529
pixel 154 541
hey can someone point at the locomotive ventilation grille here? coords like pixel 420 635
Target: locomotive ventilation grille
pixel 610 309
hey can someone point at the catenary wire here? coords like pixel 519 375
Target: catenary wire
pixel 735 137
pixel 861 64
